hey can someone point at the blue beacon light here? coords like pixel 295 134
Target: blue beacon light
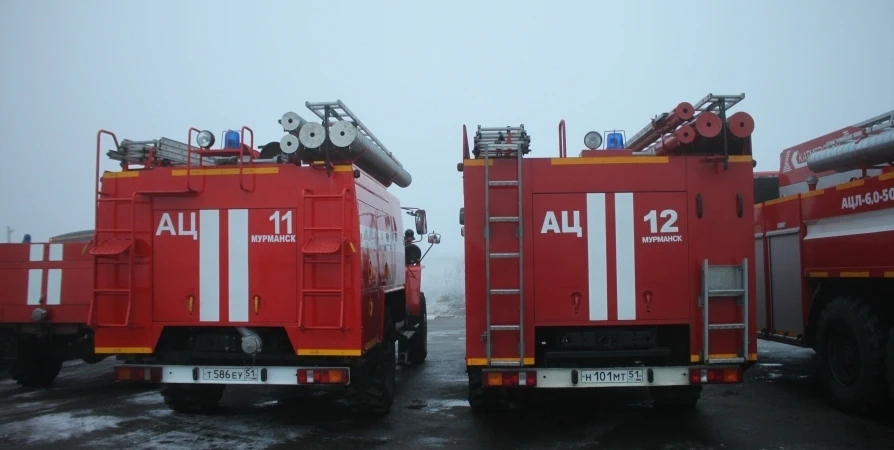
pixel 232 139
pixel 614 141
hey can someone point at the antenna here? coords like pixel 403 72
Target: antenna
pixel 9 231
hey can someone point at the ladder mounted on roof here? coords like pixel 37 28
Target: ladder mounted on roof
pixel 503 142
pixel 488 140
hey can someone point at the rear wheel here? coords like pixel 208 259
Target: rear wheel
pixel 850 347
pixel 372 384
pixel 418 346
pixel 37 366
pixel 193 399
pixel 481 399
pixel 675 398
pixel 889 363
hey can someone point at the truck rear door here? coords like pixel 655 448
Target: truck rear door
pixel 602 257
pixel 225 265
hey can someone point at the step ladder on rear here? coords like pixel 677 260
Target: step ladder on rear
pixel 720 283
pixel 503 142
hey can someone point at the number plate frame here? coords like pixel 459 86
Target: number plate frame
pixel 612 376
pixel 231 374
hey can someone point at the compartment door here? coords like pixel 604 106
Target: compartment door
pixel 606 257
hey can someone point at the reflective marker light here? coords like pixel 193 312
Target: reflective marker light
pixel 231 139
pixel 323 376
pixel 511 379
pixel 125 373
pixel 614 141
pixel 205 139
pixel 593 140
pixel 719 375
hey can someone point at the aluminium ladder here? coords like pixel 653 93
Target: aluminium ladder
pixel 493 142
pixel 724 282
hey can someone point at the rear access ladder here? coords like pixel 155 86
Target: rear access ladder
pixel 724 282
pixel 498 142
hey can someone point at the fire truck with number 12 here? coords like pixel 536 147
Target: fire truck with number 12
pixel 630 266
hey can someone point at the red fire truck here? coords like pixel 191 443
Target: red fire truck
pixel 284 266
pixel 628 266
pixel 824 229
pixel 43 307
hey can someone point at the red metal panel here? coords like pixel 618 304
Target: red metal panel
pixel 560 256
pixel 273 256
pixel 55 277
pixel 175 267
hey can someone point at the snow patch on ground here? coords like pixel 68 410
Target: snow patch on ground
pixel 202 432
pixel 776 350
pixel 146 398
pixel 56 427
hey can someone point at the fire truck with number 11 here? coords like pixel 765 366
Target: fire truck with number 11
pixel 630 266
pixel 288 266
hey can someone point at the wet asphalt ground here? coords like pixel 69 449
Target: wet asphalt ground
pixel 779 407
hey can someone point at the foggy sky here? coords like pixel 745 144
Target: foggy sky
pixel 414 72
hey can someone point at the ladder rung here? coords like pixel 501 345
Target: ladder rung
pixel 512 146
pixel 505 327
pixel 725 292
pixel 726 360
pixel 504 291
pixel 726 326
pixel 111 291
pixel 504 219
pixel 504 183
pixel 503 255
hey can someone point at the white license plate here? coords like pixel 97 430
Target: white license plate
pixel 226 374
pixel 617 376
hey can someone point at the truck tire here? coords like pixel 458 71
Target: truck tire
pixel 193 398
pixel 37 366
pixel 852 329
pixel 485 400
pixel 675 398
pixel 418 348
pixel 372 384
pixel 889 363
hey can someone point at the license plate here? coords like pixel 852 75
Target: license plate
pixel 616 376
pixel 237 375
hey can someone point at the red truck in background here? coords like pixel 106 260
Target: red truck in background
pixel 43 306
pixel 824 230
pixel 288 266
pixel 629 266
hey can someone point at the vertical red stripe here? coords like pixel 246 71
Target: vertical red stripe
pixel 610 251
pixel 224 266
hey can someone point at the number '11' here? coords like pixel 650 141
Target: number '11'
pixel 276 217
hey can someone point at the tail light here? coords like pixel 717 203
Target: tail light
pixel 702 375
pixel 131 373
pixel 511 379
pixel 322 376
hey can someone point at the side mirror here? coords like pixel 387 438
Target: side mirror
pixel 421 223
pixel 434 238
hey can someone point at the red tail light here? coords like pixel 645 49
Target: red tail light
pixel 322 376
pixel 511 379
pixel 703 375
pixel 131 373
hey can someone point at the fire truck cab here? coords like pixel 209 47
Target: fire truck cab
pixel 625 266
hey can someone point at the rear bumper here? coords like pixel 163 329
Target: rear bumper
pixel 616 377
pixel 241 375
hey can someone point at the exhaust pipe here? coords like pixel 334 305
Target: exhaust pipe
pixel 251 341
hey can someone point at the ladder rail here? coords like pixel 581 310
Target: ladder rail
pixel 487 232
